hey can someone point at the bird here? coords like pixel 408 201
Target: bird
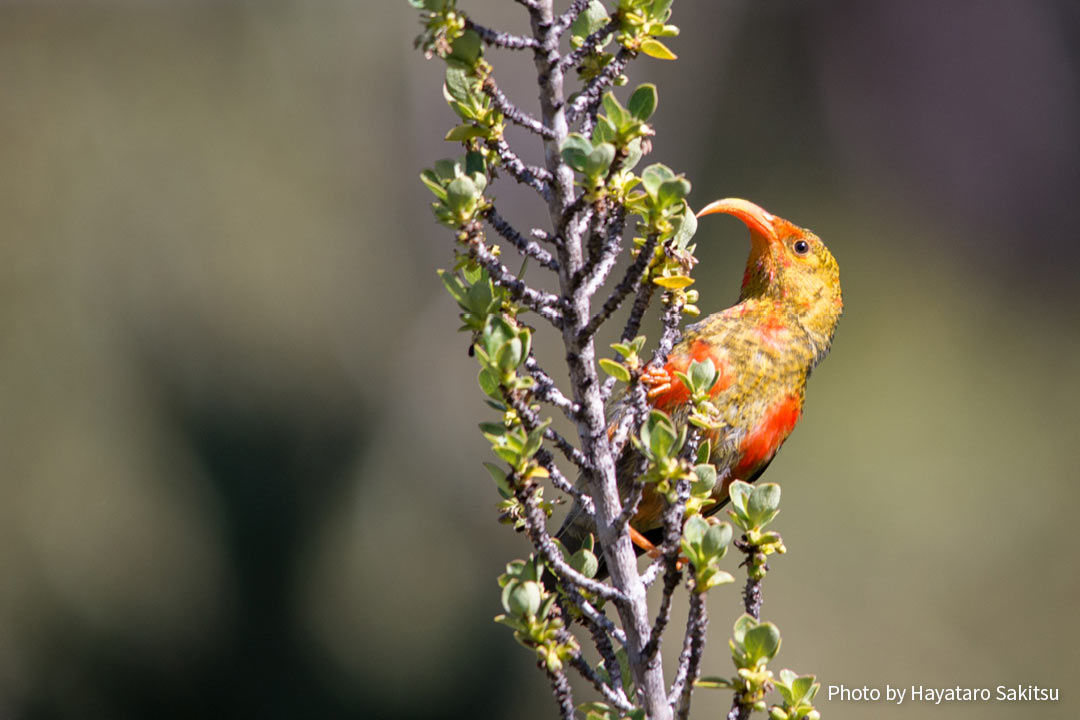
pixel 763 348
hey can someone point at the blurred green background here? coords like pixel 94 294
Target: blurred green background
pixel 240 475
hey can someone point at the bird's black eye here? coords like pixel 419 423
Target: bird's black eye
pixel 801 247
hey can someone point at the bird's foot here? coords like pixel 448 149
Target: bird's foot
pixel 657 381
pixel 651 550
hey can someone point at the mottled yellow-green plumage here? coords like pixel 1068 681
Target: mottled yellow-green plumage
pixel 764 348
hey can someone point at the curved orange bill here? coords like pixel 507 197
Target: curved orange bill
pixel 761 222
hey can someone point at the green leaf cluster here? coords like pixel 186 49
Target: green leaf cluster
pixel 501 348
pixel 660 442
pixel 621 125
pixel 517 447
pixel 584 560
pixel 631 359
pixel 528 607
pixel 641 22
pixel 702 482
pixel 605 160
pixel 443 26
pixel 591 20
pixel 477 296
pixel 704 545
pixel 753 645
pixel 462 90
pixel 798 693
pixel 700 381
pixel 752 508
pixel 458 187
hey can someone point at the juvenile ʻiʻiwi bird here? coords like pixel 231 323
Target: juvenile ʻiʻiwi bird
pixel 763 347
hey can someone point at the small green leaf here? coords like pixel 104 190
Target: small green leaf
pixel 604 131
pixel 592 19
pixel 599 160
pixel 575 151
pixel 496 332
pixel 660 8
pixel 672 191
pixel 714 682
pixel 467 49
pixel 801 689
pixel 695 529
pixel 762 642
pixel 763 504
pixel 585 562
pixel 616 113
pixel 674 282
pixel 716 540
pixel 743 624
pixel 499 476
pixel 461 194
pixel 458 83
pixel 704 451
pixel 474 163
pixel 429 178
pixel 657 49
pixel 739 491
pixel 706 478
pixel 447 169
pixel 703 375
pixel 489 383
pixel 523 598
pixel 509 355
pixel 461 133
pixel 662 437
pixel 633 154
pixel 686 225
pixel 653 176
pixel 453 285
pixel 642 102
pixel 615 369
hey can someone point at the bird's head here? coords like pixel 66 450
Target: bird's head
pixel 787 264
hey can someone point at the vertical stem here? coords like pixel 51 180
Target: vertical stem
pixel 580 354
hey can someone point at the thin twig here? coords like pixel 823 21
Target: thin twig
pixel 564 696
pixel 567 18
pixel 602 641
pixel 512 112
pixel 590 96
pixel 637 311
pixel 693 648
pixel 615 696
pixel 528 248
pixel 738 711
pixel 669 550
pixel 752 597
pixel 546 390
pixel 538 179
pixel 596 271
pixel 670 335
pixel 531 419
pixel 542 303
pixel 631 282
pixel 596 621
pixel 536 527
pixel 637 409
pixel 501 39
pixel 574 57
pixel 559 481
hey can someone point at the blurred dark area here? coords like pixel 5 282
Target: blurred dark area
pixel 240 473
